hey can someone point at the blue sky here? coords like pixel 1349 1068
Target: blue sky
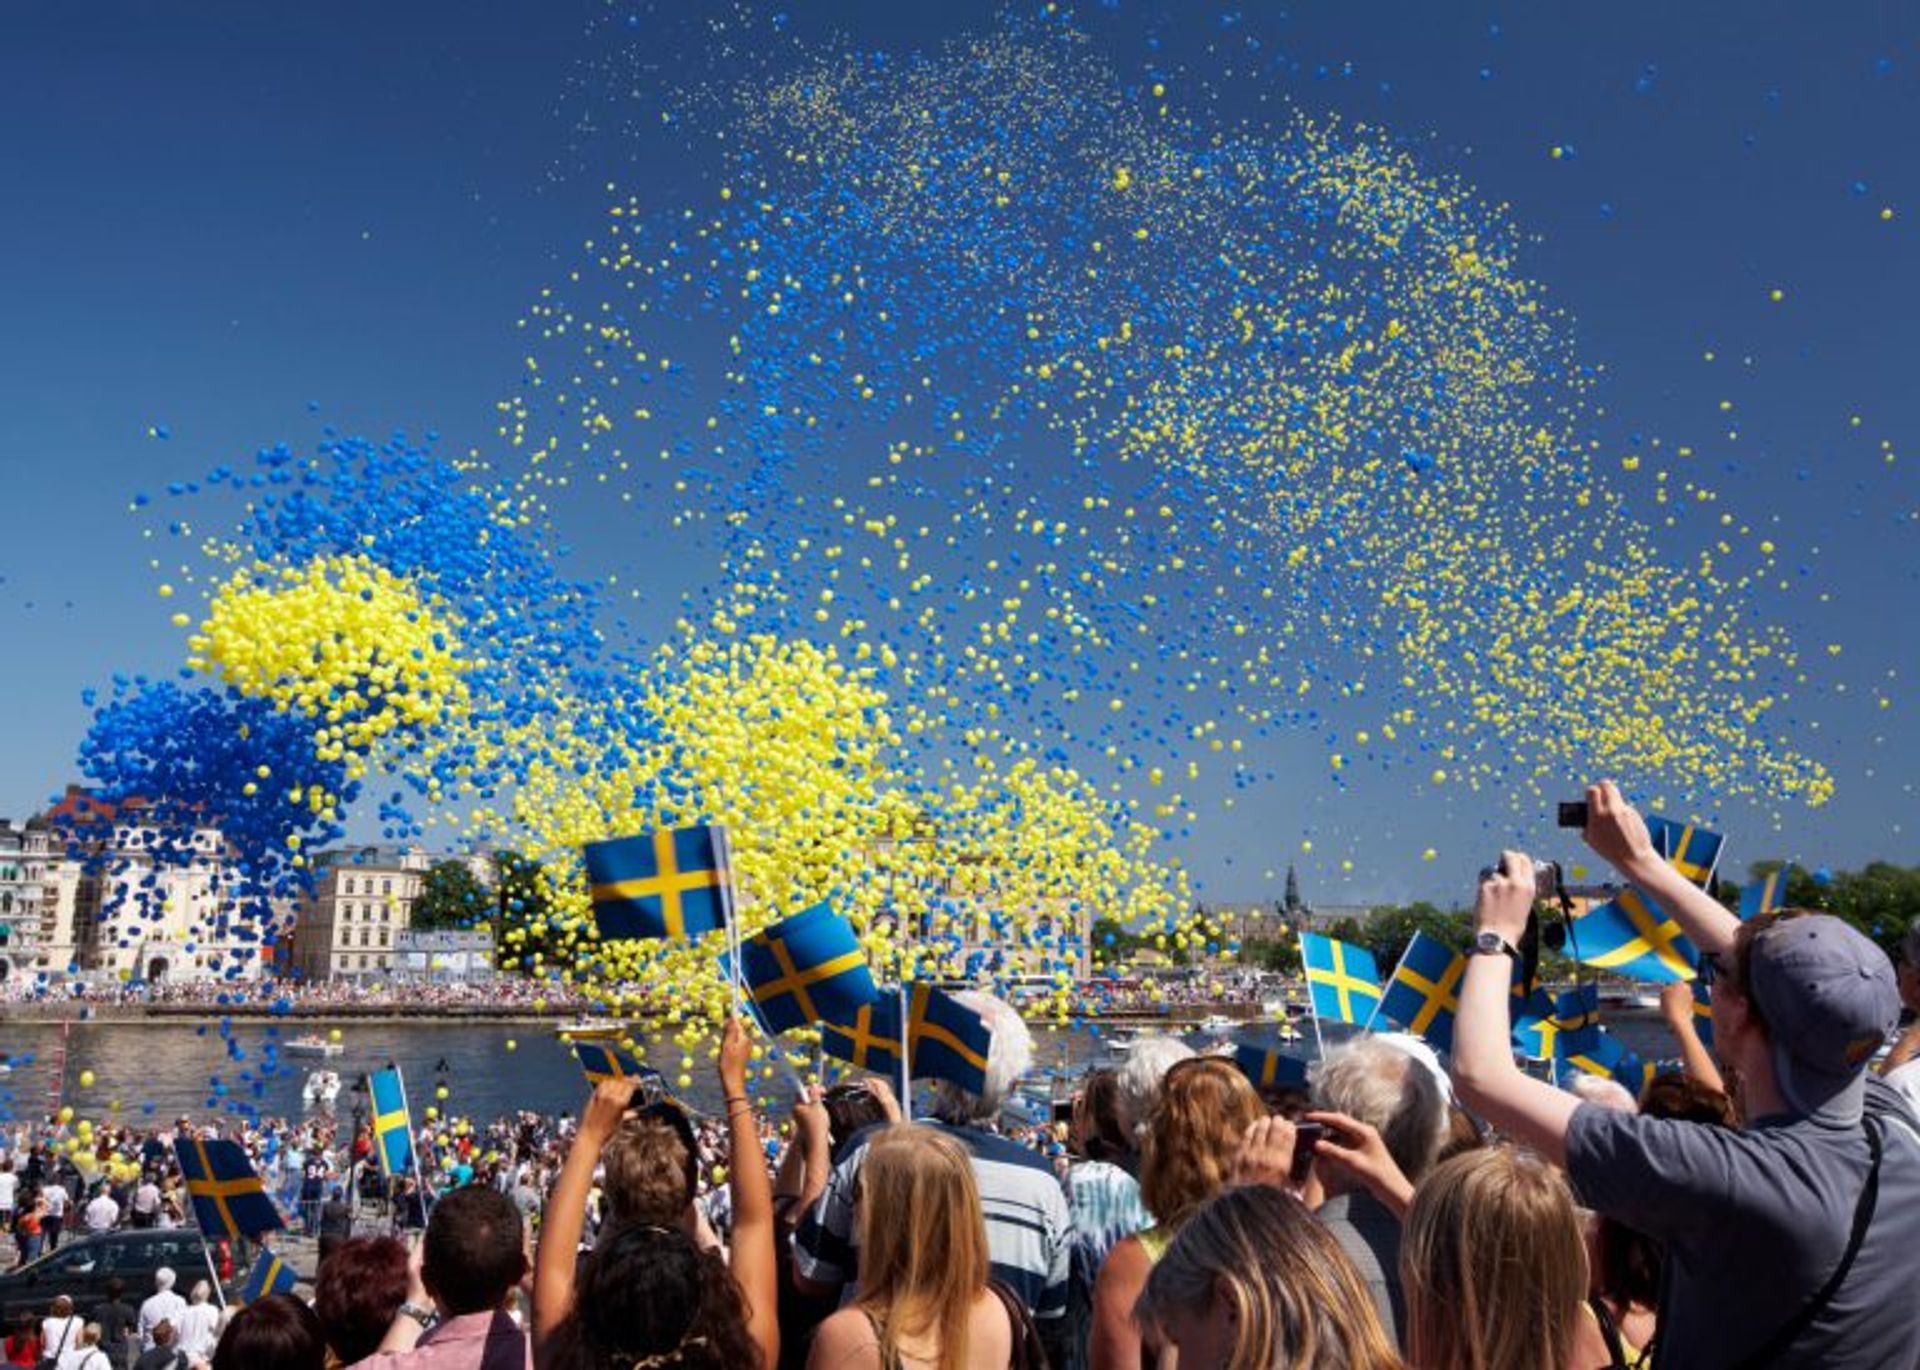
pixel 229 213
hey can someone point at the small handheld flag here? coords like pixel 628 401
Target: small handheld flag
pixel 227 1196
pixel 1423 993
pixel 1268 1067
pixel 1766 895
pixel 1610 1060
pixel 1343 982
pixel 671 883
pixel 392 1124
pixel 1554 1029
pixel 1633 936
pixel 806 969
pixel 869 1038
pixel 1694 852
pixel 1703 1012
pixel 270 1275
pixel 946 1040
pixel 605 1061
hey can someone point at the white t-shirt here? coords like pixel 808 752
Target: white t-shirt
pixel 9 1188
pixel 102 1213
pixel 59 1335
pixel 198 1330
pixel 162 1307
pixel 57 1199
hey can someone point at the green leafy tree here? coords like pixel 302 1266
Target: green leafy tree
pixel 450 897
pixel 524 935
pixel 1391 926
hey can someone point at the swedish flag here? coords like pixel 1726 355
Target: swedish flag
pixel 1767 895
pixel 1549 1029
pixel 946 1040
pixel 869 1039
pixel 604 1061
pixel 228 1198
pixel 1343 982
pixel 1633 936
pixel 392 1124
pixel 1703 1012
pixel 1423 993
pixel 270 1275
pixel 669 883
pixel 1692 851
pixel 1610 1060
pixel 1269 1066
pixel 806 969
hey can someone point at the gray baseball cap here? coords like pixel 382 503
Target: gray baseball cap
pixel 1829 997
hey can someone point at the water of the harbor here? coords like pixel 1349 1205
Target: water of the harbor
pixel 153 1072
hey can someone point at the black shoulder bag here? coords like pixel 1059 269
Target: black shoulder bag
pixel 1815 1306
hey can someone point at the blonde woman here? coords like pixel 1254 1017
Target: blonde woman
pixel 1494 1264
pixel 1186 1157
pixel 924 1299
pixel 1253 1281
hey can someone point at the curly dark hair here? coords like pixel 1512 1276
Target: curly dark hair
pixel 360 1286
pixel 647 1294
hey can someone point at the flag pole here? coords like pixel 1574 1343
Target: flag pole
pixel 413 1144
pixel 1313 1009
pixel 1383 988
pixel 723 853
pixel 906 1066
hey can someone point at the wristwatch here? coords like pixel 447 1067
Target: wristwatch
pixel 1486 942
pixel 424 1316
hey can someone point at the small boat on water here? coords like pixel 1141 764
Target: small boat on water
pixel 322 1088
pixel 590 1029
pixel 1217 1025
pixel 312 1044
pixel 1119 1043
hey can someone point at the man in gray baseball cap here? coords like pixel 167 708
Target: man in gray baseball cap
pixel 1788 1240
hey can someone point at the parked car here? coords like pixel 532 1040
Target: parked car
pixel 81 1267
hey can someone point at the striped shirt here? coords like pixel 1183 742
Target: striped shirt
pixel 1029 1233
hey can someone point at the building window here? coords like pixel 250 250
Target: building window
pixel 386 887
pixel 386 914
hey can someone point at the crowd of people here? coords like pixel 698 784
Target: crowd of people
pixel 1752 1208
pixel 492 992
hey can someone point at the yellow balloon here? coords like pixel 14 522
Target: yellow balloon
pixel 334 1035
pixel 86 1079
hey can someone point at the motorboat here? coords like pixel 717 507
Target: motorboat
pixel 590 1029
pixel 1217 1025
pixel 1120 1044
pixel 322 1088
pixel 312 1044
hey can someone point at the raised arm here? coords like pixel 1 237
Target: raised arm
pixel 566 1212
pixel 752 1262
pixel 1617 833
pixel 1676 1006
pixel 1529 1110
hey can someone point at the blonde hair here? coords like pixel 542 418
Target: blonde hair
pixel 1296 1298
pixel 1195 1129
pixel 923 1240
pixel 1493 1265
pixel 649 1171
